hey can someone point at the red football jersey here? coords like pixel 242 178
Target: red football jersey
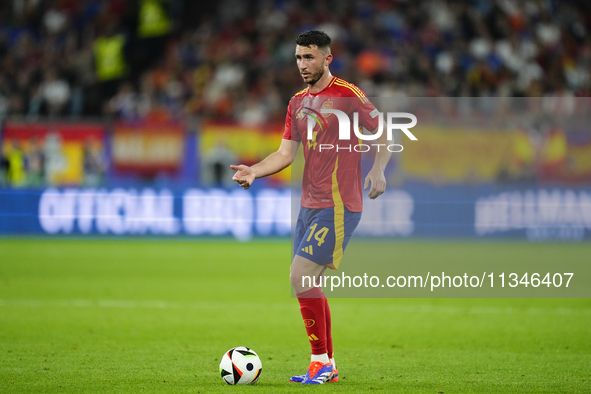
pixel 332 177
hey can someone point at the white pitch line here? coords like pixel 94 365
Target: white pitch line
pixel 219 305
pixel 483 310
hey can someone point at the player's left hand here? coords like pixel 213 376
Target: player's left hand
pixel 378 183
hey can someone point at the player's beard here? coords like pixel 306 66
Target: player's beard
pixel 315 77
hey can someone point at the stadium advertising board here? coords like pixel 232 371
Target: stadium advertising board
pixel 149 211
pixel 417 210
pixel 544 214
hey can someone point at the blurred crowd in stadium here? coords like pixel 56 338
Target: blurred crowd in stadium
pixel 234 59
pixel 230 65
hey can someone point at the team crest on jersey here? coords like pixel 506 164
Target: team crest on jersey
pixel 328 104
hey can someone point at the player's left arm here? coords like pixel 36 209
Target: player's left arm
pixel 376 175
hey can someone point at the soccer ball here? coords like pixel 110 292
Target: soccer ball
pixel 240 365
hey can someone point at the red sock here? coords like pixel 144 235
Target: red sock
pixel 329 348
pixel 312 304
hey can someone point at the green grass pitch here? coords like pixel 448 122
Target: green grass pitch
pixel 155 316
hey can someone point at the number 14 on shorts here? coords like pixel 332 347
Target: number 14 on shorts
pixel 318 236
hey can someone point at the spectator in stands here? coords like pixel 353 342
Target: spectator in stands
pixel 94 164
pixel 55 93
pixel 125 103
pixel 34 162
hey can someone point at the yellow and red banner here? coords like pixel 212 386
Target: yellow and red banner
pixel 148 148
pixel 457 155
pixel 248 144
pixel 50 153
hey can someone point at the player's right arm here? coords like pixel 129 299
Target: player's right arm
pixel 274 163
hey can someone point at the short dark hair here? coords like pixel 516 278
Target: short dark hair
pixel 314 37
